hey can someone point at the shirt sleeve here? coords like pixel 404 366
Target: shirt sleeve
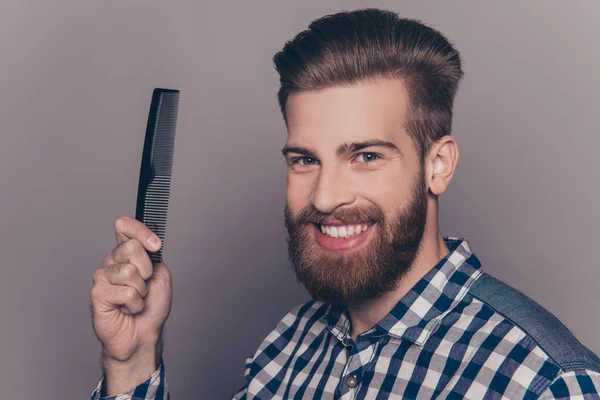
pixel 155 388
pixel 243 392
pixel 582 384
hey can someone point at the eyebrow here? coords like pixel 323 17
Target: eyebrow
pixel 344 149
pixel 300 150
pixel 353 147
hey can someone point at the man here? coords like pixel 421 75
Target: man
pixel 397 310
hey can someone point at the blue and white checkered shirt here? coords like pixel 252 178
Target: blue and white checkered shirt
pixel 459 333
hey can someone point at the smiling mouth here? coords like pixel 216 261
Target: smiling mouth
pixel 344 231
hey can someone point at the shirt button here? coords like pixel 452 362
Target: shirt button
pixel 351 381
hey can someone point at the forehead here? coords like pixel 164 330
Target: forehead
pixel 330 116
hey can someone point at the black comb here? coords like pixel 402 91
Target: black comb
pixel 157 163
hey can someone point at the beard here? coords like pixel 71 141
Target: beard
pixel 364 274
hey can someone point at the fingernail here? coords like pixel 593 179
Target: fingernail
pixel 154 241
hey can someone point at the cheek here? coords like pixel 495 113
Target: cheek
pixel 298 191
pixel 389 191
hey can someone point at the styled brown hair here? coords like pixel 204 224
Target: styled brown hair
pixel 352 47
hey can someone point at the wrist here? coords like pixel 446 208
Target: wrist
pixel 121 376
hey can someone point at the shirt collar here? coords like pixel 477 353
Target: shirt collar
pixel 417 315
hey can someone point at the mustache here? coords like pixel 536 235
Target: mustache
pixel 310 214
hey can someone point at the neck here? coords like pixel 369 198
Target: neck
pixel 367 314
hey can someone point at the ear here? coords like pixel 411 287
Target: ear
pixel 441 162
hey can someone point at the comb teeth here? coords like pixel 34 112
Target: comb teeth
pixel 166 123
pixel 155 210
pixel 156 205
pixel 157 163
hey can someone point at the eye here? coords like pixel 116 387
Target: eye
pixel 368 157
pixel 303 161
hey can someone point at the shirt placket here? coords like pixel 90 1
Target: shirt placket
pixel 361 353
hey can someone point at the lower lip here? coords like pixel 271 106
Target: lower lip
pixel 342 244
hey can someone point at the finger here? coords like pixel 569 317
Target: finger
pixel 130 252
pixel 125 275
pixel 124 310
pixel 130 228
pixel 122 297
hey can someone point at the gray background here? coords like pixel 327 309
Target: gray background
pixel 76 79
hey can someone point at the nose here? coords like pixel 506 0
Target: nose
pixel 332 190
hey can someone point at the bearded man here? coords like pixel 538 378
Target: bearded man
pixel 397 310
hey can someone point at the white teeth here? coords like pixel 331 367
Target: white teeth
pixel 343 231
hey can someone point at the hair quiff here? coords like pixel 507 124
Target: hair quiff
pixel 357 46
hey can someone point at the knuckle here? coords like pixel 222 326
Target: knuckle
pixel 106 261
pixel 98 275
pixel 120 223
pixel 128 271
pixel 97 292
pixel 131 246
pixel 130 294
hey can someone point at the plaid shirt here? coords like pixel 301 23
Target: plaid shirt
pixel 442 340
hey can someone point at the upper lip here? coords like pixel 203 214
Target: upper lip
pixel 339 223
